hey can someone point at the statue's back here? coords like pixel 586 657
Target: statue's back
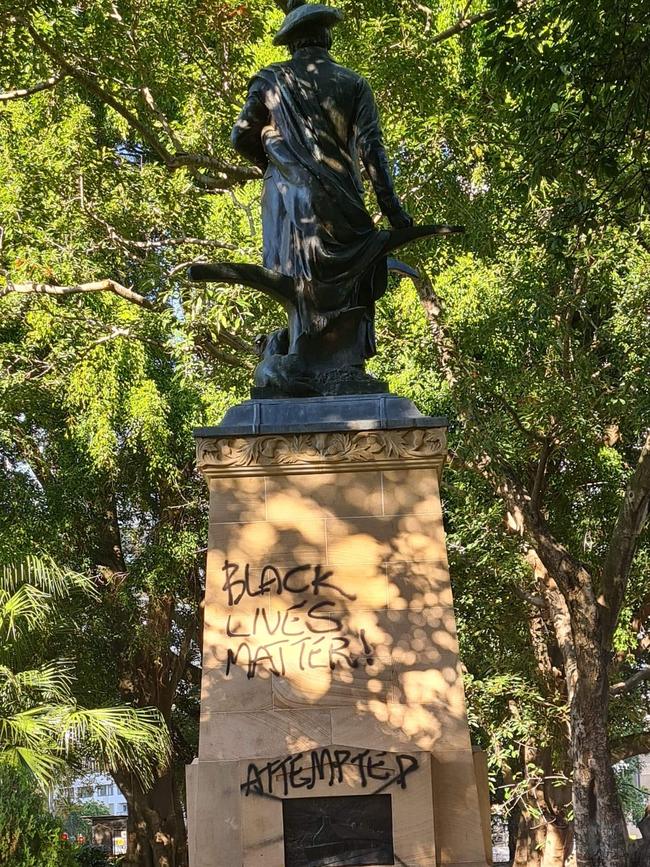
pixel 308 123
pixel 314 95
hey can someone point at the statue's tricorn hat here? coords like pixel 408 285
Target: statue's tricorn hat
pixel 304 15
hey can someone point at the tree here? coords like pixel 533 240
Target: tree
pixel 42 728
pixel 569 454
pixel 29 835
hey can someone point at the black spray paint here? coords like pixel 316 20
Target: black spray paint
pixel 305 770
pixel 311 625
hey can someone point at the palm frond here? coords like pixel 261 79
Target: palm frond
pixel 43 765
pixel 132 738
pixel 45 575
pixel 33 728
pixel 50 682
pixel 41 726
pixel 23 610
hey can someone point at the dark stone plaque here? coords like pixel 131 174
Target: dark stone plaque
pixel 338 832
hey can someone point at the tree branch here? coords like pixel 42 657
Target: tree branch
pixel 21 92
pixel 630 746
pixel 104 95
pixel 540 474
pixel 572 576
pixel 202 339
pixel 432 305
pixel 560 618
pixel 226 174
pixel 157 244
pixel 463 24
pixel 150 101
pixel 227 338
pixel 465 21
pixel 632 682
pixel 224 171
pixel 535 601
pixel 427 11
pixel 514 415
pixel 209 350
pixel 96 286
pixel 630 521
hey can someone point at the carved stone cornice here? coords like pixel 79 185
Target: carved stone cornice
pixel 345 451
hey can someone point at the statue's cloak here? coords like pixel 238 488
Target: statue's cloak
pixel 316 227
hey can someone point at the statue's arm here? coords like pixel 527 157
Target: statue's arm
pixel 370 144
pixel 246 136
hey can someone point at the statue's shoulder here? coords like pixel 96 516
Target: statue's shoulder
pixel 352 78
pixel 345 72
pixel 362 83
pixel 270 73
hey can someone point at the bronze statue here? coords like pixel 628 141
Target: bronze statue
pixel 308 123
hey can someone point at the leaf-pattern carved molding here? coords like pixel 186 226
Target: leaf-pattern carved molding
pixel 321 452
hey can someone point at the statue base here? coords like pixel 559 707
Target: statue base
pixel 351 380
pixel 333 725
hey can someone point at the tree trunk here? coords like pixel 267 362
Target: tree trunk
pixel 559 844
pixel 531 836
pixel 544 834
pixel 600 834
pixel 156 830
pixel 548 826
pixel 513 831
pixel 601 838
pixel 157 835
pixel 640 854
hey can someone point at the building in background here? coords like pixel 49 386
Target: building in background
pixel 109 833
pixel 643 777
pixel 641 780
pixel 103 819
pixel 99 788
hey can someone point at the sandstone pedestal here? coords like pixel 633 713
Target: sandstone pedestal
pixel 333 724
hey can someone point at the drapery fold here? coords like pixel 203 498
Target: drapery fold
pixel 313 118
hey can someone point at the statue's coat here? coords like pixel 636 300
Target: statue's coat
pixel 307 123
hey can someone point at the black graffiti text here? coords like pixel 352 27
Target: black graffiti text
pixel 309 654
pixel 308 635
pixel 305 770
pixel 317 619
pixel 305 579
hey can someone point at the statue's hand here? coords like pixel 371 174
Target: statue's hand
pixel 400 219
